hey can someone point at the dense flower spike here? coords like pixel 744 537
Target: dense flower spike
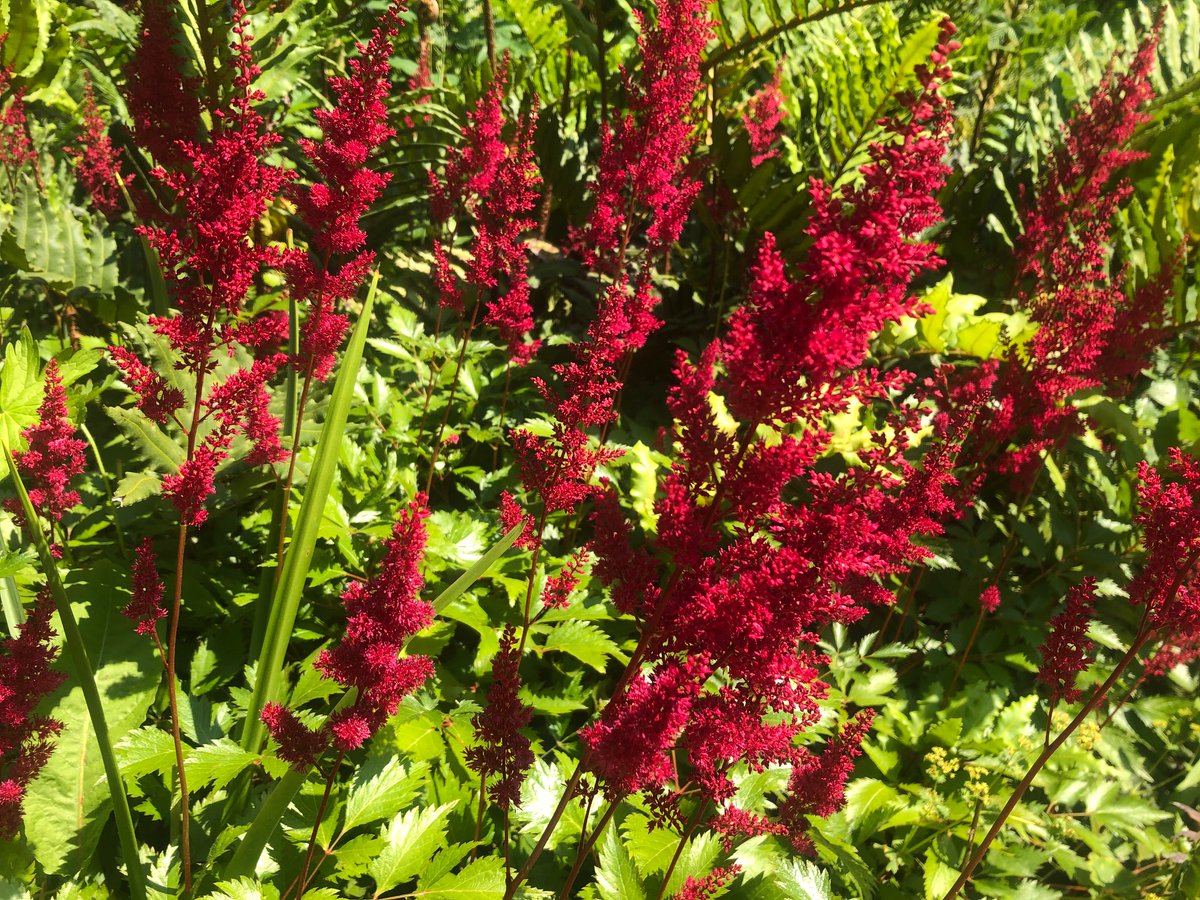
pixel 1090 333
pixel 382 614
pixel 726 674
pixel 817 785
pixel 643 168
pixel 1068 649
pixel 332 207
pixel 502 755
pixel 856 276
pixel 16 149
pixel 26 740
pixel 1169 517
pixel 163 102
pixel 145 606
pixel 299 746
pixel 96 160
pixel 54 457
pixel 764 114
pixel 221 189
pixel 492 179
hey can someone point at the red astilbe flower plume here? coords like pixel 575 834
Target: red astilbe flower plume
pixel 817 786
pixel 643 167
pixel 1092 331
pixel 764 114
pixel 221 189
pixel 382 614
pixel 145 606
pixel 299 746
pixel 856 276
pixel 54 457
pixel 755 572
pixel 492 180
pixel 97 162
pixel 26 740
pixel 1068 649
pixel 1169 519
pixel 163 102
pixel 353 132
pixel 16 149
pixel 501 751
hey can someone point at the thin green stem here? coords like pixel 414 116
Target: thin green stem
pixel 104 480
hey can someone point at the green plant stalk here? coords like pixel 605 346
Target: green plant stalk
pixel 279 501
pixel 285 601
pixel 104 480
pixel 271 812
pixel 77 653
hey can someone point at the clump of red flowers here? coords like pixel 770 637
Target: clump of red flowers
pixel 381 615
pixel 221 191
pixel 1068 649
pixel 763 117
pixel 26 739
pixel 54 455
pixel 97 162
pixel 353 131
pixel 1092 331
pixel 502 755
pixel 741 575
pixel 163 100
pixel 492 179
pixel 145 605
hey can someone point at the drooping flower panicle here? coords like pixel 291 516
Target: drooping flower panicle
pixel 26 739
pixel 97 162
pixel 54 455
pixel 332 207
pixel 381 615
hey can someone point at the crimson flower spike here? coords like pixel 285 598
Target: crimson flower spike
pixel 745 603
pixel 382 614
pixel 491 178
pixel 352 135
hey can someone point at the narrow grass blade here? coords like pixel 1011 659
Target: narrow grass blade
pixel 286 599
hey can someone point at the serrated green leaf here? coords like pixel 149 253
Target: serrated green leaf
pixel 409 842
pixel 380 787
pixel 216 763
pixel 151 444
pixel 481 880
pixel 145 750
pixel 583 640
pixel 617 878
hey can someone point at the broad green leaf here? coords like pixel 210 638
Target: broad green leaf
pixel 651 849
pixel 939 875
pixel 215 764
pixel 151 444
pixel 481 880
pixel 245 889
pixel 381 786
pixel 137 486
pixel 410 841
pixel 68 803
pixel 583 640
pixel 801 879
pixel 617 878
pixel 145 750
pixel 20 388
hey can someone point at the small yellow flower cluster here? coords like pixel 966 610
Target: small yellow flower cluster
pixel 940 765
